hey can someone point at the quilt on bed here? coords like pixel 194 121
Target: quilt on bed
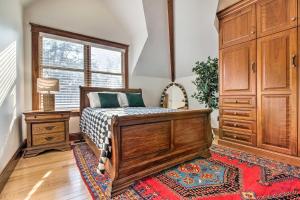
pixel 95 123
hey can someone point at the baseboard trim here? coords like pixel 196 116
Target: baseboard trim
pixel 291 160
pixel 9 168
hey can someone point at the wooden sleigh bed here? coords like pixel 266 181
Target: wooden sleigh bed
pixel 146 144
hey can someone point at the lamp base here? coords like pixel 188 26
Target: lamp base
pixel 48 102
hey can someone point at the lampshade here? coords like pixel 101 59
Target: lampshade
pixel 47 85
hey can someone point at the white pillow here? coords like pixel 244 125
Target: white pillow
pixel 122 98
pixel 94 100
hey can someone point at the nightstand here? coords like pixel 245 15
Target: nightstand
pixel 47 130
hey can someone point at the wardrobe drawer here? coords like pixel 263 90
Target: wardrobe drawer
pixel 238 113
pixel 50 138
pixel 238 125
pixel 48 128
pixel 237 101
pixel 238 137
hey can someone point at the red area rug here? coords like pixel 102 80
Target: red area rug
pixel 228 174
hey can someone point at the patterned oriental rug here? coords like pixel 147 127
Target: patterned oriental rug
pixel 228 174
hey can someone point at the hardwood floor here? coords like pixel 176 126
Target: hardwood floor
pixel 53 175
pixel 49 176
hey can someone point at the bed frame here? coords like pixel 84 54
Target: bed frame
pixel 146 144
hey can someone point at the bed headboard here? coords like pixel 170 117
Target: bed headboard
pixel 84 100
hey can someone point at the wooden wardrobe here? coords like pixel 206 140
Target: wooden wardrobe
pixel 258 81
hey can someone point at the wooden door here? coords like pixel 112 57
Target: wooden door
pixel 238 69
pixel 277 92
pixel 275 15
pixel 238 27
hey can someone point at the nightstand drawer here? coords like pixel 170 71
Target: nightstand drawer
pixel 48 128
pixel 48 138
pixel 47 117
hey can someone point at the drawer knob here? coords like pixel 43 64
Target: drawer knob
pixel 234 136
pixel 293 18
pixel 49 138
pixel 235 113
pixel 49 128
pixel 236 101
pixel 235 125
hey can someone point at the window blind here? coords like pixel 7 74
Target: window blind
pixel 78 63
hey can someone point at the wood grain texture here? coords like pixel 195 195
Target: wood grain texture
pixel 46 130
pixel 238 69
pixel 146 144
pixel 238 101
pixel 274 16
pixel 238 113
pixel 171 38
pixel 146 139
pixel 239 125
pixel 189 131
pixel 274 104
pixel 277 92
pixel 238 137
pixel 237 27
pixel 49 176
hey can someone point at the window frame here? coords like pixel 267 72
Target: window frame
pixel 37 30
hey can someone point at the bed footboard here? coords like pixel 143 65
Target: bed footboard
pixel 144 145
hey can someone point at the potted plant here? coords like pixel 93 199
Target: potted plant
pixel 206 83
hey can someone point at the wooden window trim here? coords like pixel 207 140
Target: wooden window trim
pixel 35 43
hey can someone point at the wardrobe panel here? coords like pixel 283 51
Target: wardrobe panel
pixel 275 15
pixel 238 69
pixel 277 92
pixel 238 27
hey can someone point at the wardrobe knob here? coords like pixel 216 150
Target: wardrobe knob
pixel 293 18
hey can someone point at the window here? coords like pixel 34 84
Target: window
pixel 76 60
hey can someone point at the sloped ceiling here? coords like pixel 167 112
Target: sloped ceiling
pixel 146 23
pixel 132 17
pixel 155 57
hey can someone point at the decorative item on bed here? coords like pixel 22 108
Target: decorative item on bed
pixel 133 141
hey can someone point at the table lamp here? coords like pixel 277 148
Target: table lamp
pixel 48 87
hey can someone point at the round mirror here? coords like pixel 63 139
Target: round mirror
pixel 174 96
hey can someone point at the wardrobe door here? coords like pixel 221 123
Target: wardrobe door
pixel 277 92
pixel 238 69
pixel 275 15
pixel 238 27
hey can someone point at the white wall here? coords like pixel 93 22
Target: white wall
pixel 132 18
pixel 190 88
pixel 95 19
pixel 155 57
pixel 196 38
pixel 11 79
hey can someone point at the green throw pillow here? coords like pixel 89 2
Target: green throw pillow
pixel 109 100
pixel 135 100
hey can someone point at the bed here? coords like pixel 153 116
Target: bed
pixel 144 144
